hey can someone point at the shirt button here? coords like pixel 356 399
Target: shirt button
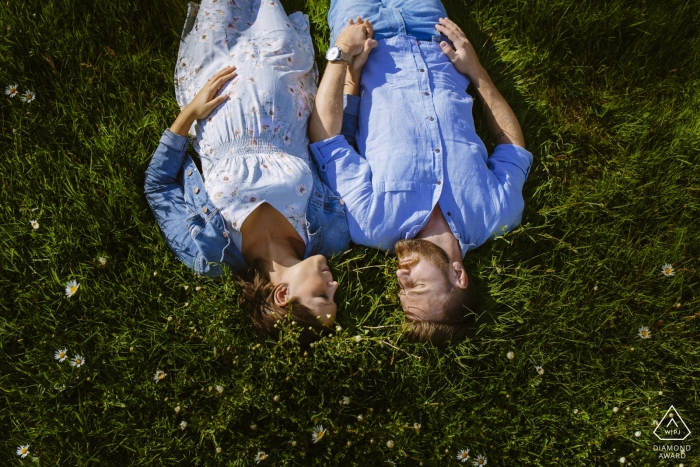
pixel 438 182
pixel 437 149
pixel 342 203
pixel 196 190
pixel 323 166
pixel 189 173
pixel 422 70
pixel 449 213
pixel 205 210
pixel 426 93
pixel 431 118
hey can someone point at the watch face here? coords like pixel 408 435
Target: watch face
pixel 333 53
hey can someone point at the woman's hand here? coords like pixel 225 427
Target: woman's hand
pixel 204 102
pixel 353 36
pixel 352 78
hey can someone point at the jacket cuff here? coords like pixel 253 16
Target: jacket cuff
pixel 323 150
pixel 351 105
pixel 175 142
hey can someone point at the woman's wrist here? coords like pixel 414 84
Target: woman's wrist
pixel 183 122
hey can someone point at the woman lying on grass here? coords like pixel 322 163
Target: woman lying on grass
pixel 258 205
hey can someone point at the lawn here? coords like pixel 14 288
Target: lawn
pixel 608 94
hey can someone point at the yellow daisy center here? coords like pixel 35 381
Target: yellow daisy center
pixel 644 333
pixel 319 434
pixel 61 354
pixel 73 288
pixel 464 455
pixel 160 375
pixel 481 462
pixel 24 450
pixel 668 270
pixel 78 361
pixel 261 456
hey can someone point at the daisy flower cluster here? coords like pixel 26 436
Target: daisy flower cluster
pixel 77 360
pixel 463 457
pixel 11 90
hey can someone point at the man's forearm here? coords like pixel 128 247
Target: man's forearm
pixel 503 123
pixel 327 116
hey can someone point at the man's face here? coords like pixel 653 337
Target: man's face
pixel 423 275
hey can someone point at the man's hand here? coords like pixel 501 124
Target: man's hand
pixel 352 78
pixel 204 102
pixel 353 36
pixel 463 57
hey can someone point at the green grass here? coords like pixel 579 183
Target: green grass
pixel 608 94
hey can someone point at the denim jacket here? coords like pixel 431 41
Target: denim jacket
pixel 194 229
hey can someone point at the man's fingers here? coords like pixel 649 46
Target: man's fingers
pixel 370 28
pixel 447 50
pixel 358 20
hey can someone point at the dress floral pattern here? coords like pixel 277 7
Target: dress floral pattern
pixel 254 147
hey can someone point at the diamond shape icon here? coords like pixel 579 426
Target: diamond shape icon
pixel 672 427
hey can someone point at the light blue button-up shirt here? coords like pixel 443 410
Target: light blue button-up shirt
pixel 417 147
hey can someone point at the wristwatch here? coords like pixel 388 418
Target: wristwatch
pixel 335 54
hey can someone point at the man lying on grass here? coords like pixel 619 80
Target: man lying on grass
pixel 420 180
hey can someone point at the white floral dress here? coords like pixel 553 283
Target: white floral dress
pixel 254 148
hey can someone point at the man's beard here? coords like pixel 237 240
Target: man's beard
pixel 424 250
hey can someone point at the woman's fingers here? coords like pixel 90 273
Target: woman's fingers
pixel 223 79
pixel 220 73
pixel 370 28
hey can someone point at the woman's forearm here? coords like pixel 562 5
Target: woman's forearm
pixel 502 122
pixel 183 122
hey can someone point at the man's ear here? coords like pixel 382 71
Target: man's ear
pixel 462 280
pixel 281 294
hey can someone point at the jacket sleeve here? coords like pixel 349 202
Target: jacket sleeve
pixel 351 109
pixel 349 176
pixel 166 196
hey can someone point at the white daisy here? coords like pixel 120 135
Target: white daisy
pixel 77 361
pixel 11 90
pixel 667 270
pixel 637 434
pixel 644 332
pixel 28 97
pixel 102 260
pixel 183 425
pixel 160 374
pixel 72 288
pixel 346 400
pixel 260 456
pixel 177 409
pixel 218 449
pixel 540 370
pixel 480 460
pixel 463 455
pixel 616 409
pixel 318 434
pixel 622 460
pixel 360 418
pixel 34 224
pixel 510 355
pixel 417 426
pixel 390 444
pixel 23 451
pixel 60 355
pixel 219 388
pixel 358 338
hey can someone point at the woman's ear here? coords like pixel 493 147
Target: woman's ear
pixel 281 295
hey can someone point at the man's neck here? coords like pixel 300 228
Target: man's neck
pixel 437 231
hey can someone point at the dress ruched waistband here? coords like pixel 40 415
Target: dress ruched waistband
pixel 255 146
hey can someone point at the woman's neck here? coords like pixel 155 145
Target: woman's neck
pixel 268 236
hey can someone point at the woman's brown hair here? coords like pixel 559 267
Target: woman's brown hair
pixel 258 301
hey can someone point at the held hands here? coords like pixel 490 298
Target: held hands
pixel 204 102
pixel 356 39
pixel 463 57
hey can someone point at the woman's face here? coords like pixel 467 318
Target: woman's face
pixel 311 282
